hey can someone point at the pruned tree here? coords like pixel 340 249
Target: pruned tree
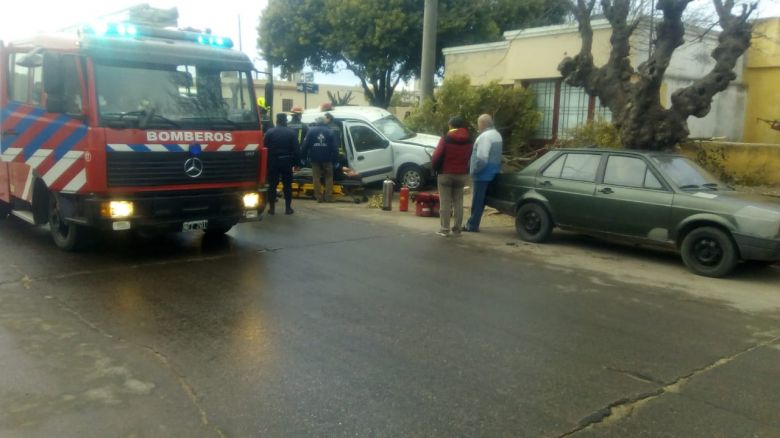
pixel 634 94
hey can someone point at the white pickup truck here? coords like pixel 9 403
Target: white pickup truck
pixel 378 145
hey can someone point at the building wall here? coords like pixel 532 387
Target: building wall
pixel 287 90
pixel 762 77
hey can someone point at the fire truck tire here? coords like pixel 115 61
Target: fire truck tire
pixel 67 236
pixel 5 209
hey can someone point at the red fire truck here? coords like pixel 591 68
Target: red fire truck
pixel 125 126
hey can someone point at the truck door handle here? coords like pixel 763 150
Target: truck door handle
pixel 606 191
pixel 360 157
pixel 545 183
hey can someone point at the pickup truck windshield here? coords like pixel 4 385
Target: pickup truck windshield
pixel 393 129
pixel 174 96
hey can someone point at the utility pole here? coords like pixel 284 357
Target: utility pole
pixel 430 19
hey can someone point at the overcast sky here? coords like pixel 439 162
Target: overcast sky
pixel 23 18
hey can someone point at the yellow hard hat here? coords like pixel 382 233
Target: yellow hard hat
pixel 261 102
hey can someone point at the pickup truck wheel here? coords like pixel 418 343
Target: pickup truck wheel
pixel 533 223
pixel 67 236
pixel 709 251
pixel 411 176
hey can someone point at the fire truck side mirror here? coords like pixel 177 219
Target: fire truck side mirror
pixel 53 82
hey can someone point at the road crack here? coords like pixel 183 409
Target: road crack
pixel 624 408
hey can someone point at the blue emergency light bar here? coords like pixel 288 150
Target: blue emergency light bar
pixel 129 30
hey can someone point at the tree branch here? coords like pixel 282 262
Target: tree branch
pixel 733 41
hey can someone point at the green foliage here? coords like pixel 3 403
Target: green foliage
pixel 597 132
pixel 380 41
pixel 513 110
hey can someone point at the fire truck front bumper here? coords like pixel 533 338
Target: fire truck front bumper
pixel 219 209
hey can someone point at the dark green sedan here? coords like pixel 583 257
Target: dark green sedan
pixel 643 197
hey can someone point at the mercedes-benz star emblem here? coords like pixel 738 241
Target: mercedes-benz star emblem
pixel 193 167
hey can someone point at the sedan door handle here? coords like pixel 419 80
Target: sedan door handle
pixel 360 157
pixel 606 191
pixel 545 183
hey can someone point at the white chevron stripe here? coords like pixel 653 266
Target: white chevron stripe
pixel 38 157
pixel 62 165
pixel 251 147
pixel 120 148
pixel 11 153
pixel 76 183
pixel 26 193
pixel 156 148
pixel 226 147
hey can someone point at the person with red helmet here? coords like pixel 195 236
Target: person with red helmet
pixel 296 124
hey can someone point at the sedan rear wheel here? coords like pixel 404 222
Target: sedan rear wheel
pixel 533 223
pixel 709 251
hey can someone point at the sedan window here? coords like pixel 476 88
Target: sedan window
pixel 554 169
pixel 581 167
pixel 625 171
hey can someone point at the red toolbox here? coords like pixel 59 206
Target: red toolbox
pixel 427 204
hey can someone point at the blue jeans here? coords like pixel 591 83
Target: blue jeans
pixel 477 204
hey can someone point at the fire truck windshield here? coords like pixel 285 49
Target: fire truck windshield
pixel 150 96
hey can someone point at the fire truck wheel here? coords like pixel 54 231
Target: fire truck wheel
pixel 66 236
pixel 5 210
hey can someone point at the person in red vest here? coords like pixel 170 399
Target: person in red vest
pixel 451 162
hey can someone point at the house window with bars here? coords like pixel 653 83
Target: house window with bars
pixel 573 109
pixel 544 92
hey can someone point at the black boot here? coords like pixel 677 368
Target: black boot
pixel 288 209
pixel 271 209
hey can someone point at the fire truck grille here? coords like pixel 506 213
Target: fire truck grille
pixel 135 169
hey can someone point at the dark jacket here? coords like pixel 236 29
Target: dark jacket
pixel 282 145
pixel 300 129
pixel 453 152
pixel 319 146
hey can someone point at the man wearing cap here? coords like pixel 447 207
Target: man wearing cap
pixel 319 147
pixel 282 145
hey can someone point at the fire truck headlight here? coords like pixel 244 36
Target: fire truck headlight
pixel 120 209
pixel 251 200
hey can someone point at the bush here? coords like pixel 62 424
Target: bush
pixel 513 110
pixel 599 132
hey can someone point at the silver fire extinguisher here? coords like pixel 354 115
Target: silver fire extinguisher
pixel 387 194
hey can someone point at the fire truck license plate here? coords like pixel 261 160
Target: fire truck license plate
pixel 195 225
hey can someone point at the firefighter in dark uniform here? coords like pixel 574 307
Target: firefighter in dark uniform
pixel 282 144
pixel 297 125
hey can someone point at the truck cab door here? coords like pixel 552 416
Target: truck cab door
pixel 372 155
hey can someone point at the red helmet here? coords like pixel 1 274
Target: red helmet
pixel 296 110
pixel 327 106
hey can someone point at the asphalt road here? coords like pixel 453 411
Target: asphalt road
pixel 329 323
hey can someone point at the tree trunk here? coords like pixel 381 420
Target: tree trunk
pixel 633 96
